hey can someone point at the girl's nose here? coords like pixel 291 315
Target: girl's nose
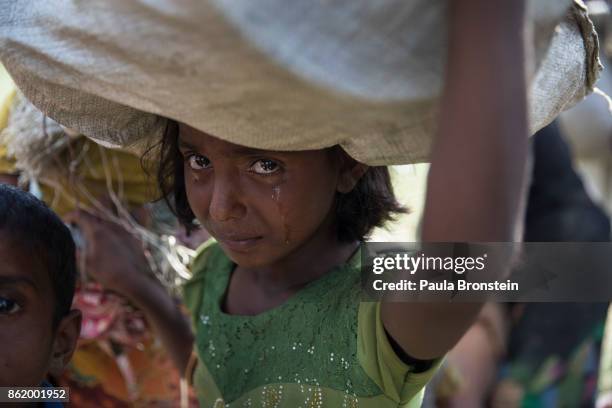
pixel 226 203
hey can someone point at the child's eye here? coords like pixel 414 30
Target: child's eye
pixel 8 306
pixel 198 162
pixel 264 166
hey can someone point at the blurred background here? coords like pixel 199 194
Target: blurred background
pixel 515 355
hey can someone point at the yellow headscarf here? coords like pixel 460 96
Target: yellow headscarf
pixel 7 93
pixel 96 172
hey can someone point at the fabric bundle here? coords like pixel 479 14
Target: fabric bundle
pixel 270 74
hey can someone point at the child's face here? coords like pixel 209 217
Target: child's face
pixel 260 205
pixel 30 347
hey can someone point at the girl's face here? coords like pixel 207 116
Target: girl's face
pixel 260 205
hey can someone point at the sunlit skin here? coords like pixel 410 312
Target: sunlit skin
pixel 272 213
pixel 31 348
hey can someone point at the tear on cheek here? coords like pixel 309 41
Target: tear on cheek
pixel 282 212
pixel 276 194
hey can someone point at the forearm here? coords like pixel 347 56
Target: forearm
pixel 476 357
pixel 167 320
pixel 478 158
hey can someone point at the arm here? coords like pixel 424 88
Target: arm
pixel 475 183
pixel 477 355
pixel 167 320
pixel 116 260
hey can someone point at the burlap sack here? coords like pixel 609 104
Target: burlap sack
pixel 270 74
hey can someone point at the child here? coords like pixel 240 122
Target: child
pixel 117 362
pixel 38 329
pixel 275 303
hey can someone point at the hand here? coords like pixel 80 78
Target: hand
pixel 111 255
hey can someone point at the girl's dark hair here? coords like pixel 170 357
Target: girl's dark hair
pixel 370 204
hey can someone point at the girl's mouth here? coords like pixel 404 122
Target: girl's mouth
pixel 239 244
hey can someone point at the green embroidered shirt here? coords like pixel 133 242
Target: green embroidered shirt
pixel 321 348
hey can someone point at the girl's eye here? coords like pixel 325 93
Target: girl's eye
pixel 8 306
pixel 198 162
pixel 265 166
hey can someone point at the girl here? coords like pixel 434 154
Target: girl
pixel 274 303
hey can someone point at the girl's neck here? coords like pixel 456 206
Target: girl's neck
pixel 303 266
